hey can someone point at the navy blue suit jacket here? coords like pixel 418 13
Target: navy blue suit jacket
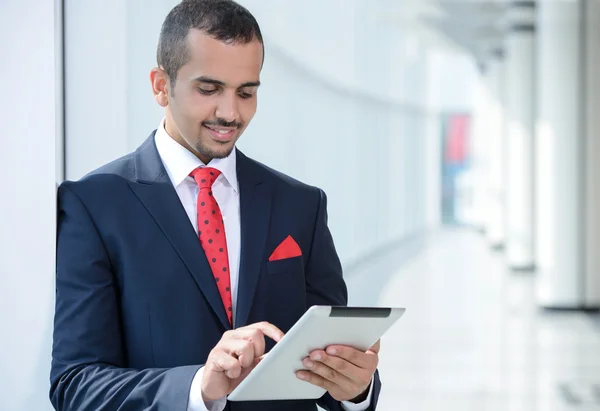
pixel 137 308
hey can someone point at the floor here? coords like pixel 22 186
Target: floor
pixel 472 337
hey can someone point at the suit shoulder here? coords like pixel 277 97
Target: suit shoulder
pixel 105 177
pixel 122 167
pixel 283 180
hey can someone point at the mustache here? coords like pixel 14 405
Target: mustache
pixel 222 123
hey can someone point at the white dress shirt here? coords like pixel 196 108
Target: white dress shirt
pixel 179 163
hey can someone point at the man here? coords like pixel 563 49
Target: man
pixel 182 263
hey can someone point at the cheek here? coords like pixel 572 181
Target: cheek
pixel 248 110
pixel 196 106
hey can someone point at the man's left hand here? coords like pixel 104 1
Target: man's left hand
pixel 343 371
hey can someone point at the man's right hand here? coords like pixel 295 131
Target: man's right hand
pixel 238 352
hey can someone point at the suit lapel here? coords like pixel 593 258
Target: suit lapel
pixel 155 190
pixel 255 208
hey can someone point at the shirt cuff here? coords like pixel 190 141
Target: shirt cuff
pixel 350 406
pixel 196 403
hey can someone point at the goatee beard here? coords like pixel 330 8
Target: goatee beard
pixel 213 154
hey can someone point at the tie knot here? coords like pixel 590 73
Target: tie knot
pixel 205 177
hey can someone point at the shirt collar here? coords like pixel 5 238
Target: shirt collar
pixel 180 162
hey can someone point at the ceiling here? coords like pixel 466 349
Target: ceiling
pixel 476 25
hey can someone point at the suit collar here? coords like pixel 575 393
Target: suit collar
pixel 148 165
pixel 255 212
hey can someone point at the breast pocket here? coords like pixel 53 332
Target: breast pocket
pixel 287 265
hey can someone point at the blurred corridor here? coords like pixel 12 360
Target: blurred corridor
pixel 473 338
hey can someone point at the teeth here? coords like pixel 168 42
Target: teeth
pixel 220 131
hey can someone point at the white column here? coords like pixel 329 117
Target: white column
pixel 28 201
pixel 495 225
pixel 560 156
pixel 519 134
pixel 592 122
pixel 479 163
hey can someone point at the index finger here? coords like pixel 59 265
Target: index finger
pixel 269 330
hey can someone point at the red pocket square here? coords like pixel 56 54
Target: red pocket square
pixel 287 249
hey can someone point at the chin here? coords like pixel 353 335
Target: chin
pixel 219 151
pixel 224 153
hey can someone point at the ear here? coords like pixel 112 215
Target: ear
pixel 160 86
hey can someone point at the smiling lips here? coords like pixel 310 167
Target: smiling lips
pixel 221 133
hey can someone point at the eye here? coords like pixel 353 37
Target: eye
pixel 245 95
pixel 206 92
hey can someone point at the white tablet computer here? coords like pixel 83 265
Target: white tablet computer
pixel 274 378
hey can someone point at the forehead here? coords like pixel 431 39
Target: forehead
pixel 231 63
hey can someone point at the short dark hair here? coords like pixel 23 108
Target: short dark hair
pixel 224 20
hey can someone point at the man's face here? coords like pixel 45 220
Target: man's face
pixel 215 95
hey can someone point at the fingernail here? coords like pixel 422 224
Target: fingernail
pixel 317 357
pixel 300 376
pixel 308 363
pixel 331 351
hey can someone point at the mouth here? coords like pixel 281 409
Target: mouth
pixel 221 134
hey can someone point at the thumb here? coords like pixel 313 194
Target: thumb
pixel 246 371
pixel 375 348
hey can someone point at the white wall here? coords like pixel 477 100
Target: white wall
pixel 27 202
pixel 109 102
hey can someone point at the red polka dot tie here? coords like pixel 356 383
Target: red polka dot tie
pixel 211 233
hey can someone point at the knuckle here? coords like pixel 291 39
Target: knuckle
pixel 238 349
pixel 213 356
pixel 248 346
pixel 331 374
pixel 215 361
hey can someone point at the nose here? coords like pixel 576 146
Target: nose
pixel 227 107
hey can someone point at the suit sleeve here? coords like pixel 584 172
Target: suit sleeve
pixel 88 363
pixel 326 286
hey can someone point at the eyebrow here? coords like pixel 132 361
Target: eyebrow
pixel 209 80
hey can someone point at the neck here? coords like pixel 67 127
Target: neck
pixel 174 133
